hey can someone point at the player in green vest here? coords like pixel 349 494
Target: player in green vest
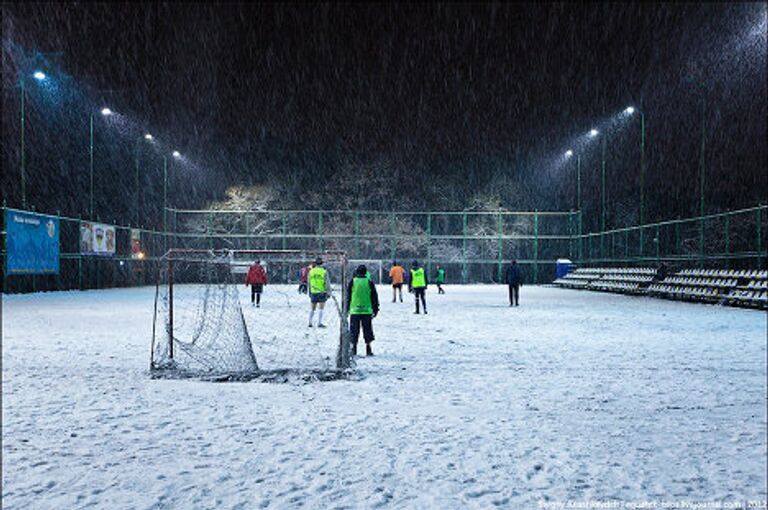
pixel 362 306
pixel 319 289
pixel 418 285
pixel 440 279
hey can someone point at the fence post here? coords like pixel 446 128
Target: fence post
pixel 500 250
pixel 285 230
pixel 677 236
pixel 701 241
pixel 581 239
pixel 759 242
pixel 5 250
pixel 392 236
pixel 357 234
pixel 536 247
pixel 429 243
pixel 464 247
pixel 320 229
pixel 658 242
pixel 210 229
pixel 247 232
pixel 728 241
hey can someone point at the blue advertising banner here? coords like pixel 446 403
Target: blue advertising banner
pixel 32 243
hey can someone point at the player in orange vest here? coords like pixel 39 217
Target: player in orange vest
pixel 396 275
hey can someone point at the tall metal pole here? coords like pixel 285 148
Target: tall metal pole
pixel 165 200
pixel 165 191
pixel 602 200
pixel 701 180
pixel 642 177
pixel 23 176
pixel 578 204
pixel 136 198
pixel 90 152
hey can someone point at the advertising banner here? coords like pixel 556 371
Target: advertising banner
pixel 97 239
pixel 32 243
pixel 136 244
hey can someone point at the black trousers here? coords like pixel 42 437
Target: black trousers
pixel 256 289
pixel 420 292
pixel 354 328
pixel 514 294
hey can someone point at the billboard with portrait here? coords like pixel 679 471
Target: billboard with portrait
pixel 136 244
pixel 97 239
pixel 32 243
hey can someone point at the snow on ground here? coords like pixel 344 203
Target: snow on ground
pixel 573 395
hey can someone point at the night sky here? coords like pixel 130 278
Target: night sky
pixel 437 104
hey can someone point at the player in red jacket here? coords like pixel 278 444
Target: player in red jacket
pixel 257 279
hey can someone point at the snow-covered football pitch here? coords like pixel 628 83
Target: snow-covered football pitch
pixel 572 396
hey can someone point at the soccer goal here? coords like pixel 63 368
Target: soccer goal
pixel 205 324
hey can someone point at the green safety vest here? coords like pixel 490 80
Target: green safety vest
pixel 368 274
pixel 441 275
pixel 317 280
pixel 360 301
pixel 417 278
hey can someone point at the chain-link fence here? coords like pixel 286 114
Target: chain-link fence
pixel 472 246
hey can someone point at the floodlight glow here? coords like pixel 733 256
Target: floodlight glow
pixel 106 111
pixel 568 153
pixel 630 110
pixel 39 75
pixel 593 133
pixel 176 154
pixel 148 136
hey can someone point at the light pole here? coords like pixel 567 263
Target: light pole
pixel 701 173
pixel 568 155
pixel 602 199
pixel 105 112
pixel 147 137
pixel 23 177
pixel 39 76
pixel 642 174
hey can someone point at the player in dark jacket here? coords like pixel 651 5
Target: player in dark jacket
pixel 514 280
pixel 362 306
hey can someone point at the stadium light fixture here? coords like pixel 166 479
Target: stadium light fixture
pixel 39 75
pixel 568 153
pixel 106 111
pixel 630 110
pixel 593 133
pixel 148 137
pixel 176 154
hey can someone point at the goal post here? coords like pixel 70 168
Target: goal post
pixel 205 325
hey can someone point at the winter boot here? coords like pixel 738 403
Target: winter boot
pixel 354 349
pixel 368 350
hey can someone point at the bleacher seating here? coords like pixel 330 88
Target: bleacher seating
pixel 743 287
pixel 628 280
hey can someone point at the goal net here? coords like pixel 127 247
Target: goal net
pixel 207 322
